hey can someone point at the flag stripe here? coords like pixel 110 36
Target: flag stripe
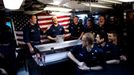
pixel 48 24
pixel 45 21
pixel 45 26
pixel 66 18
pixel 62 16
pixel 44 17
pixel 63 21
pixel 50 17
pixel 50 21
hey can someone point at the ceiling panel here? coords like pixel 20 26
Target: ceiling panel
pixel 74 4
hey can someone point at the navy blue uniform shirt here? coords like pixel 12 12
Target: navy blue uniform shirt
pixel 101 29
pixel 31 33
pixel 76 30
pixel 55 30
pixel 92 58
pixel 89 30
pixel 111 51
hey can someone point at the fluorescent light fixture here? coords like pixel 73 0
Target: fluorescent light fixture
pixel 52 8
pixel 111 1
pixel 56 2
pixel 12 4
pixel 126 0
pixel 60 13
pixel 96 5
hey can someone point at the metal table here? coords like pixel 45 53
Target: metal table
pixel 55 46
pixel 58 56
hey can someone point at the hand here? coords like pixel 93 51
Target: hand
pixel 96 68
pixel 114 61
pixel 54 39
pixel 32 50
pixel 3 71
pixel 38 55
pixel 80 38
pixel 123 57
pixel 2 56
pixel 83 66
pixel 67 35
pixel 81 63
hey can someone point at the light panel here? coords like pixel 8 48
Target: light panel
pixel 111 1
pixel 60 13
pixel 96 5
pixel 126 0
pixel 12 4
pixel 52 8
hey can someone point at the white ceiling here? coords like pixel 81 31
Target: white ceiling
pixel 79 4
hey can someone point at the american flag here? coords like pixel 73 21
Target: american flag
pixel 44 20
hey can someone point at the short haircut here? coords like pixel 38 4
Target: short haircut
pixel 113 32
pixel 76 17
pixel 102 35
pixel 30 16
pixel 90 19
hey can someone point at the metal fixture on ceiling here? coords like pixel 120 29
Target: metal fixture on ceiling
pixel 33 5
pixel 56 8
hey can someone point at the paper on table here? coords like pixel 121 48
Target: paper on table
pixel 60 38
